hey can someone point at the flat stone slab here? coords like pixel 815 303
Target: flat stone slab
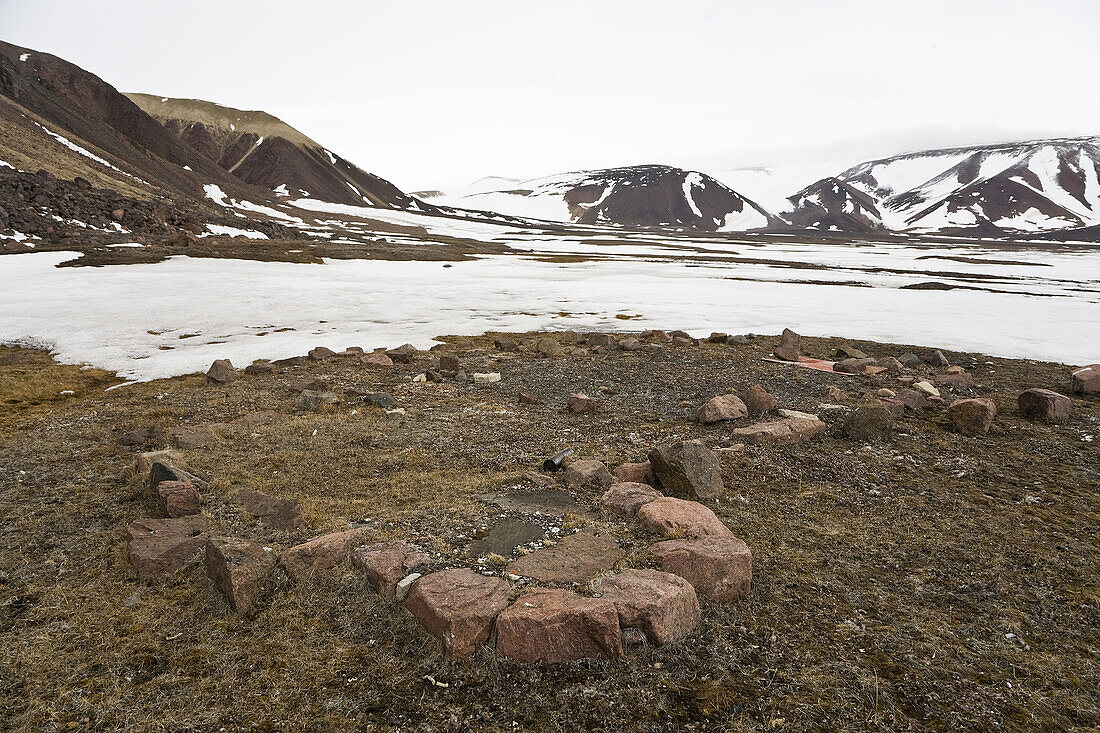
pixel 578 558
pixel 547 625
pixel 661 604
pixel 552 501
pixel 780 432
pixel 719 568
pixel 458 607
pixel 504 537
pixel 274 512
pixel 157 548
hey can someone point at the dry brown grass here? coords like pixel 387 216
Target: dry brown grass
pixel 887 577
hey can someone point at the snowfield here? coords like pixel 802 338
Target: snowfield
pixel 157 320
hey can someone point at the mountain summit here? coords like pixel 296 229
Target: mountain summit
pixel 642 195
pixel 260 149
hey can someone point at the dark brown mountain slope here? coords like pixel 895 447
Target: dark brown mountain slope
pixel 262 150
pixel 42 94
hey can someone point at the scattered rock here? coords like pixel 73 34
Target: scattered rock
pixel 505 345
pixel 910 360
pixel 849 352
pixel 737 340
pixel 526 398
pixel 888 393
pixel 387 563
pixel 636 473
pixel 936 359
pixel 376 359
pixel 240 570
pixel 625 498
pixel 671 517
pixel 657 336
pixel 401 591
pixel 177 498
pixel 757 400
pixel 458 607
pixel 310 400
pixel 722 408
pixel 577 558
pixel 222 372
pixel 852 366
pixel 486 378
pixel 550 625
pixel 603 340
pixel 404 353
pixel 1044 405
pixel 630 344
pixel 780 432
pixel 277 513
pixel 322 553
pixel 449 363
pixel 890 364
pixel 663 605
pixel 587 473
pixel 788 345
pixel 837 395
pixel 1086 380
pixel 895 406
pixel 380 399
pixel 719 568
pixel 687 469
pixel 548 347
pixel 157 548
pixel 972 416
pixel 320 353
pixel 290 361
pixel 582 404
pixel 927 388
pixel 869 421
pixel 913 399
pixel 718 337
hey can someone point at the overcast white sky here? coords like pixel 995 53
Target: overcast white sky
pixel 433 94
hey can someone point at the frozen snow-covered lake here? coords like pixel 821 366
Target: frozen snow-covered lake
pixel 157 320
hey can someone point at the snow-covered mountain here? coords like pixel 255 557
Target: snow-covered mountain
pixel 644 195
pixel 832 204
pixel 1035 186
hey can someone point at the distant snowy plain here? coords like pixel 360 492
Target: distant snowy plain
pixel 148 321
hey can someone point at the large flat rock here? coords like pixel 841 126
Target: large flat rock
pixel 548 625
pixel 578 558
